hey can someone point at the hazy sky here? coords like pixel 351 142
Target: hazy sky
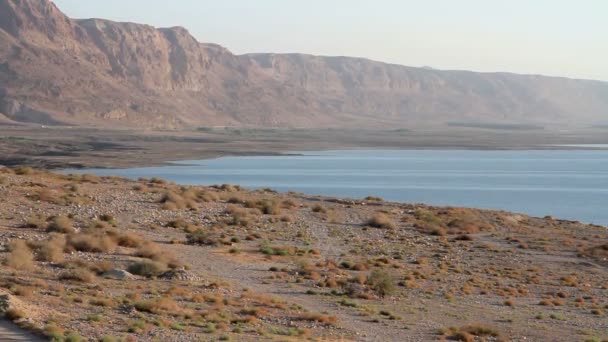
pixel 552 37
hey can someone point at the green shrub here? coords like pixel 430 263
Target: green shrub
pixel 147 268
pixel 381 282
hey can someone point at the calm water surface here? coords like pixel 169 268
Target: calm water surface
pixel 565 184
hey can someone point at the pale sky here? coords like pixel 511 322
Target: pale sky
pixel 551 37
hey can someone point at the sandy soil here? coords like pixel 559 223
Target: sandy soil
pixel 264 266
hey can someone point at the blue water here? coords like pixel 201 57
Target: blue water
pixel 564 184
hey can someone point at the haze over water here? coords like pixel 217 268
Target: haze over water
pixel 564 184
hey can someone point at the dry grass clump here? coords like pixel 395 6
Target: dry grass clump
pixel 202 237
pixel 381 220
pixel 20 256
pixel 373 199
pixel 227 187
pixel 277 250
pixel 23 170
pixel 453 221
pixel 266 206
pixel 61 224
pixel 50 196
pixel 129 240
pixel 91 242
pixel 240 216
pixel 152 251
pixel 107 218
pixel 600 251
pixel 90 178
pixel 469 333
pixel 35 221
pixel 318 208
pixel 79 274
pixel 52 249
pixel 174 201
pixel 160 305
pixel 14 314
pixel 320 318
pixel 177 223
pixel 24 291
pixel 290 203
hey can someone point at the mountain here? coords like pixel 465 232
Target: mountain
pixel 57 70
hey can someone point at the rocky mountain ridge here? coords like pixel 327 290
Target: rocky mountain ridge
pixel 94 72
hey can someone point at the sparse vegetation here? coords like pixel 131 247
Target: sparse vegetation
pixel 61 224
pixel 20 256
pixel 381 220
pixel 383 279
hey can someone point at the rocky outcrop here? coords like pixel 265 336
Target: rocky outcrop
pixel 103 73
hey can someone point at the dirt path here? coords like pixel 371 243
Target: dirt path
pixel 9 332
pixel 251 275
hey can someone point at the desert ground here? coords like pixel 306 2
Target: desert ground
pixel 109 259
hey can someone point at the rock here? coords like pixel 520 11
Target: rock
pixel 181 274
pixel 118 274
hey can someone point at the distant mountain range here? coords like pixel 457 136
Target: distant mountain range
pixel 56 70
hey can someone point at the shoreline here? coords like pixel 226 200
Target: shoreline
pixel 182 173
pixel 81 148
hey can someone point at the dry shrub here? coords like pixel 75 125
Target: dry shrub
pixel 35 221
pixel 14 314
pixel 381 282
pixel 24 291
pixel 317 208
pixel 102 266
pixel 290 203
pixel 106 218
pixel 469 333
pixel 600 251
pixel 381 220
pixel 149 250
pixel 130 240
pixel 20 256
pixel 458 221
pixel 191 228
pixel 320 318
pixel 161 305
pixel 140 187
pixel 174 201
pixel 103 302
pixel 152 251
pixel 177 223
pixel 23 170
pixel 373 199
pixel 147 268
pixel 50 196
pixel 78 274
pixel 90 178
pixel 240 216
pixel 266 206
pixel 201 237
pixel 61 224
pixel 52 249
pixel 228 187
pixel 208 196
pixel 91 243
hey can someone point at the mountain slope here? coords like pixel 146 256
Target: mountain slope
pixel 55 70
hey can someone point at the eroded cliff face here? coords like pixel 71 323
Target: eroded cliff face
pixel 104 73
